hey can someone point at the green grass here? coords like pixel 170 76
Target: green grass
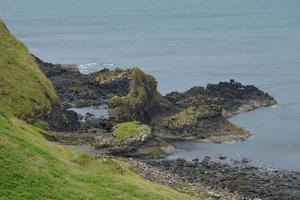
pixel 41 124
pixel 33 168
pixel 129 129
pixel 24 90
pixel 191 115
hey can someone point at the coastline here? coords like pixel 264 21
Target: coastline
pixel 149 156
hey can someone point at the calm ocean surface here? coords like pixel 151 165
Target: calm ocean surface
pixel 184 43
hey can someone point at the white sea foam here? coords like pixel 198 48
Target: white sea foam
pixel 93 67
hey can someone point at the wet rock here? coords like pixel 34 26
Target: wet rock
pixel 222 157
pixel 89 115
pixel 246 160
pixel 206 159
pixel 180 161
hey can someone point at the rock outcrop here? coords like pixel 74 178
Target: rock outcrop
pixel 110 82
pixel 200 113
pixel 204 122
pixel 234 97
pixel 126 137
pixel 71 86
pixel 142 101
pixel 132 94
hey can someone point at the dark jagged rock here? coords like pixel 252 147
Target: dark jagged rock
pixel 60 119
pixel 200 113
pixel 114 82
pixel 234 97
pixel 237 98
pixel 70 85
pixel 133 94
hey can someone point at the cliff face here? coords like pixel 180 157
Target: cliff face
pixel 24 90
pixel 142 101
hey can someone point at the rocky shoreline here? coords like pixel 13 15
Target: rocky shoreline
pixel 238 177
pixel 238 180
pixel 200 113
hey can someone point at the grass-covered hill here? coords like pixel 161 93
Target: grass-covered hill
pixel 33 168
pixel 24 90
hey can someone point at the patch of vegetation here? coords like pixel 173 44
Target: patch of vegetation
pixel 192 114
pixel 24 89
pixel 125 130
pixel 41 124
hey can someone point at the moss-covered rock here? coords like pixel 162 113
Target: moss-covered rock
pixel 110 82
pixel 191 115
pixel 24 90
pixel 203 122
pixel 128 130
pixel 141 102
pixel 126 137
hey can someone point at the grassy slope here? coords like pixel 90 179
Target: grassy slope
pixel 33 168
pixel 24 90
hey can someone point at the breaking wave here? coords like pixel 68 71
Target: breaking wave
pixel 93 67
